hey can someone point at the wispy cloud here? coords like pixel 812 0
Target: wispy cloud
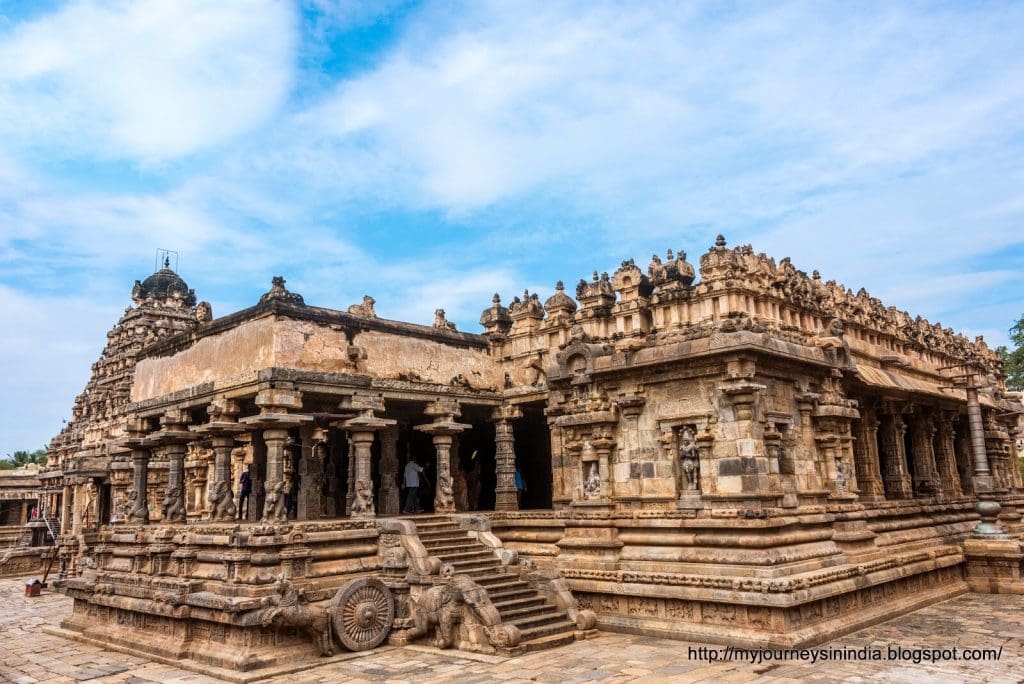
pixel 430 154
pixel 151 80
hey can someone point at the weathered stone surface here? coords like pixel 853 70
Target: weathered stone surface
pixel 756 457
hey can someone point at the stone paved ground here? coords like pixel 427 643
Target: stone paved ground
pixel 969 622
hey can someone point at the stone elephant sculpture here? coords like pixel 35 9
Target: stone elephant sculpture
pixel 460 601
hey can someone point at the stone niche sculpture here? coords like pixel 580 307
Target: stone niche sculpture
pixel 689 468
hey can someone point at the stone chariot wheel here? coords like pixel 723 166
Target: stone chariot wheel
pixel 362 614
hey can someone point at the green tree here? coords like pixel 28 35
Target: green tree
pixel 1013 359
pixel 21 458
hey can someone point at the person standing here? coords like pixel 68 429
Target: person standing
pixel 244 489
pixel 413 475
pixel 520 488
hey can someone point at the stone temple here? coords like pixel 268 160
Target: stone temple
pixel 755 456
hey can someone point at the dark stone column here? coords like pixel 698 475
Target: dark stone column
pixel 895 476
pixel 139 512
pixel 221 498
pixel 174 496
pixel 389 504
pixel 982 479
pixel 945 456
pixel 869 473
pixel 922 435
pixel 274 506
pixel 362 492
pixel 505 458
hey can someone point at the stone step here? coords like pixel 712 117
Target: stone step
pixel 465 555
pixel 542 643
pixel 516 602
pixel 444 549
pixel 505 580
pixel 530 622
pixel 511 594
pixel 438 535
pixel 436 525
pixel 564 626
pixel 442 542
pixel 476 566
pixel 509 614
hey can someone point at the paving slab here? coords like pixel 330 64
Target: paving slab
pixel 972 622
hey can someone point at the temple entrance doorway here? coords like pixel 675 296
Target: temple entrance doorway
pixel 533 456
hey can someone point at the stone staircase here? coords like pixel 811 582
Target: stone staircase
pixel 541 623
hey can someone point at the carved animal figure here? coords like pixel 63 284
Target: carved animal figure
pixel 222 505
pixel 204 312
pixel 445 606
pixel 174 506
pixel 364 309
pixel 441 322
pixel 363 500
pixel 137 511
pixel 273 507
pixel 289 608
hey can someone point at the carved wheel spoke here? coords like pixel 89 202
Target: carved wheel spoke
pixel 362 614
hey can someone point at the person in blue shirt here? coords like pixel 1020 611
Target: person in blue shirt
pixel 520 487
pixel 413 476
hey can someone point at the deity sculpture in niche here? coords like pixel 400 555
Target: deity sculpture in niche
pixel 842 478
pixel 688 458
pixel 592 485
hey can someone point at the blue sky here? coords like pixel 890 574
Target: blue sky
pixel 430 154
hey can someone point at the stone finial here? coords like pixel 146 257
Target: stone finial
pixel 280 293
pixel 560 301
pixel 496 320
pixel 528 307
pixel 720 241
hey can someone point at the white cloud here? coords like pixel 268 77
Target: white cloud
pixel 49 344
pixel 150 80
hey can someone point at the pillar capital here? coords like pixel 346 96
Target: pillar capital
pixel 506 412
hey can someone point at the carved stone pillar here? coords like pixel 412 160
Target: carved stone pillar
pixel 444 496
pixel 311 474
pixel 350 477
pixel 922 436
pixel 362 495
pixel 139 512
pixel 361 430
pixel 274 505
pixel 945 456
pixel 65 508
pixel 222 428
pixel 442 430
pixel 76 508
pixel 869 473
pixel 221 498
pixel 895 475
pixel 505 458
pixel 982 478
pixel 174 496
pixel 389 504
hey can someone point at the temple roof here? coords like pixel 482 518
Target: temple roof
pixel 162 285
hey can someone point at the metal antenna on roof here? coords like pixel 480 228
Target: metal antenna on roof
pixel 163 259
